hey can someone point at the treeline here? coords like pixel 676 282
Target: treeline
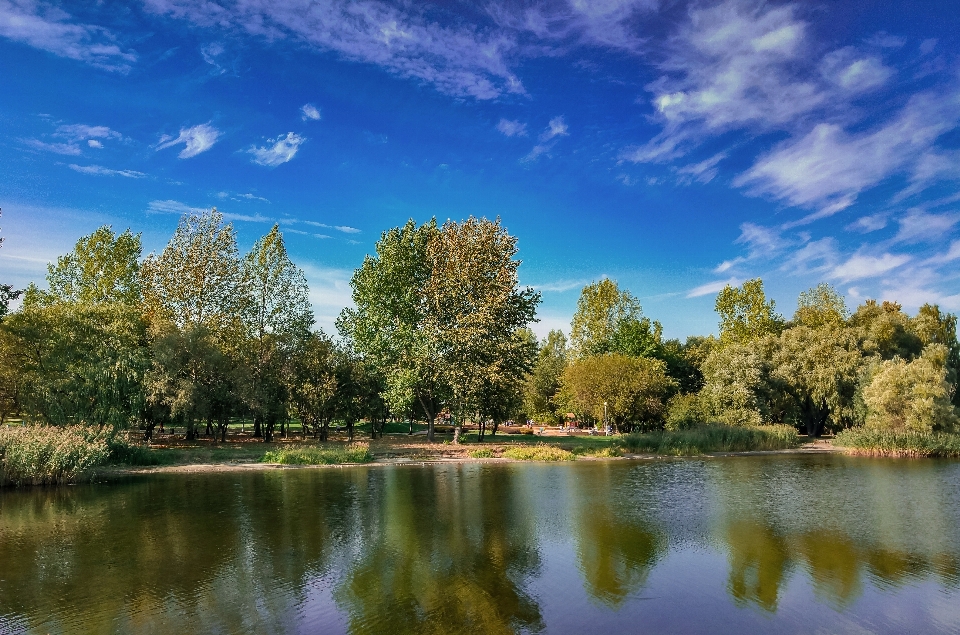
pixel 199 335
pixel 824 369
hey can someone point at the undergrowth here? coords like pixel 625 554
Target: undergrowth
pixel 712 438
pixel 313 455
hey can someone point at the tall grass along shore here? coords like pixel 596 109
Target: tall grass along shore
pixel 869 442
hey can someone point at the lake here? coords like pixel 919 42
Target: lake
pixel 758 544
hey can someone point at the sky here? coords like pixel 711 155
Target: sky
pixel 674 147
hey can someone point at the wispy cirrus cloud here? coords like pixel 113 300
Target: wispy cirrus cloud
pixel 512 128
pixel 557 127
pixel 195 140
pixel 99 170
pixel 49 28
pixel 283 149
pixel 404 40
pixel 712 287
pixel 69 149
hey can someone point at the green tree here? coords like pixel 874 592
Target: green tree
pixel 913 396
pixel 738 386
pixel 312 383
pixel 388 322
pixel 934 327
pixel 276 316
pixel 543 382
pixel 886 330
pixel 820 368
pixel 102 268
pixel 475 310
pixel 601 310
pixel 821 306
pixel 631 391
pixel 745 313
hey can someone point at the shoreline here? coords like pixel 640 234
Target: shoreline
pixel 247 466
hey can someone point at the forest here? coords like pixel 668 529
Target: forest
pixel 199 335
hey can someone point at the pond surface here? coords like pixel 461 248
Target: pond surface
pixel 776 544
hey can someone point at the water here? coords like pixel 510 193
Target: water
pixel 780 544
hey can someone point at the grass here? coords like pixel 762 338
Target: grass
pixel 712 438
pixel 903 444
pixel 610 451
pixel 314 455
pixel 44 455
pixel 539 452
pixel 482 453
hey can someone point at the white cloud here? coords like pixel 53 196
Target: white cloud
pixel 330 293
pixel 69 149
pixel 702 172
pixel 829 167
pixel 284 148
pixel 49 28
pixel 99 170
pixel 405 41
pixel 210 53
pixel 196 139
pixel 848 69
pixel 309 111
pixel 561 286
pixel 861 266
pixel 952 253
pixel 867 224
pixel 79 132
pixel 512 128
pixel 919 226
pixel 341 228
pixel 814 257
pixel 173 207
pixel 760 241
pixel 712 287
pixel 556 128
pixel 93 143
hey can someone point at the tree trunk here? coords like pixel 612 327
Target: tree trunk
pixel 209 431
pixel 496 424
pixel 257 428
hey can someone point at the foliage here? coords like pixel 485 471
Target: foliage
pixel 7 295
pixel 745 313
pixel 482 453
pixel 543 382
pixel 912 396
pixel 863 440
pixel 713 438
pixel 45 455
pixel 738 384
pixel 539 452
pixel 886 330
pixel 684 411
pixel 329 455
pixel 102 268
pixel 631 390
pixel 821 306
pixel 601 309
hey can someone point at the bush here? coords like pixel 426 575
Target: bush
pixel 898 443
pixel 539 452
pixel 482 453
pixel 684 412
pixel 713 438
pixel 600 453
pixel 47 455
pixel 313 455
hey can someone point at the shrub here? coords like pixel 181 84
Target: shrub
pixel 600 453
pixel 482 453
pixel 539 452
pixel 313 455
pixel 898 443
pixel 684 412
pixel 47 455
pixel 713 438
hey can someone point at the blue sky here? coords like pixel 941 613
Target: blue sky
pixel 672 146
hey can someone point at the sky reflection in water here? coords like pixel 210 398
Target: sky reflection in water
pixel 758 544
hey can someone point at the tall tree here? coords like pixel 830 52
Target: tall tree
pixel 196 278
pixel 276 316
pixel 388 322
pixel 745 313
pixel 312 383
pixel 475 309
pixel 103 267
pixel 601 309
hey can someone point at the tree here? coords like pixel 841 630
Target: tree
pixel 913 396
pixel 543 382
pixel 738 387
pixel 475 308
pixel 820 306
pixel 820 368
pixel 312 383
pixel 276 315
pixel 388 322
pixel 196 278
pixel 745 314
pixel 886 330
pixel 601 309
pixel 7 294
pixel 630 391
pixel 102 268
pixel 934 327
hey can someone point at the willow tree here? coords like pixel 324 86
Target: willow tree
pixel 746 314
pixel 276 316
pixel 475 310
